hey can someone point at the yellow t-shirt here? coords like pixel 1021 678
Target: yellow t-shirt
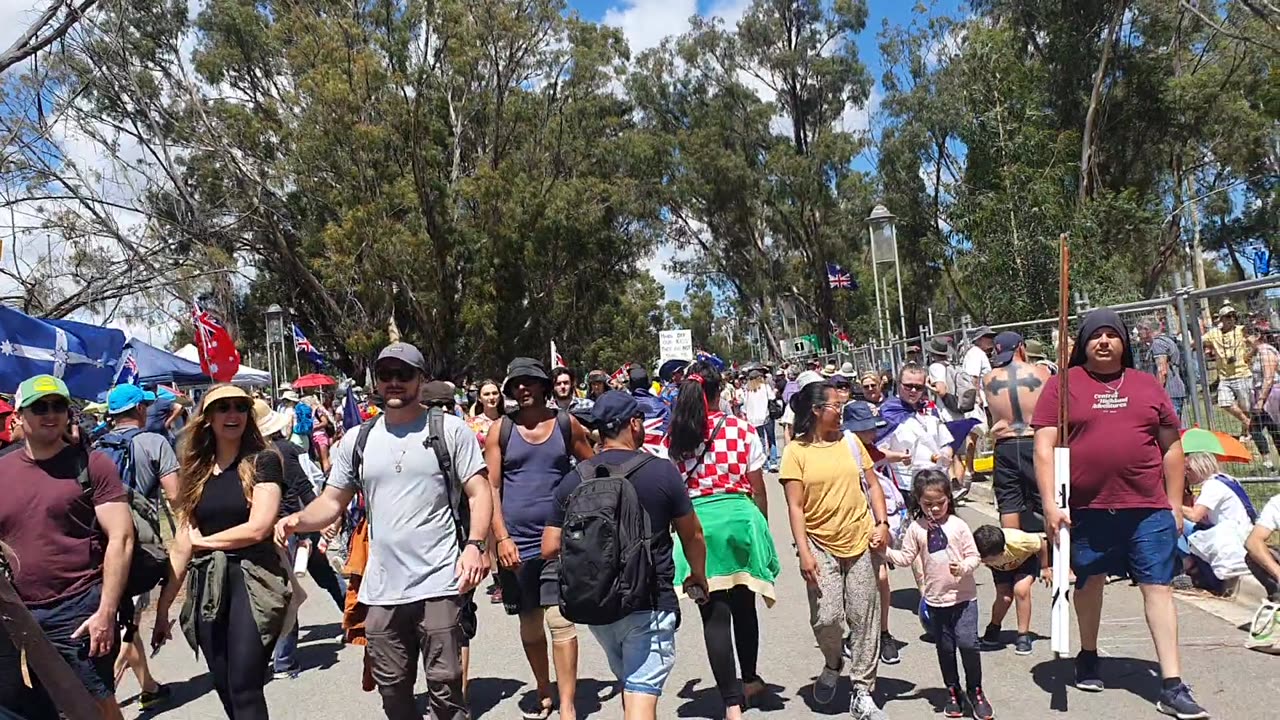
pixel 1230 345
pixel 1019 547
pixel 836 515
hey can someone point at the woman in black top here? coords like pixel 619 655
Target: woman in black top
pixel 231 482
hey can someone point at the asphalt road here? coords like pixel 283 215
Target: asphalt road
pixel 1230 681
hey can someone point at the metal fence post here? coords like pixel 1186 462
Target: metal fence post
pixel 1202 376
pixel 1192 380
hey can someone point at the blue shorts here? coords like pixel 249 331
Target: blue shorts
pixel 641 648
pixel 1140 544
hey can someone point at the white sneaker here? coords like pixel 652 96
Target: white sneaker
pixel 863 707
pixel 824 688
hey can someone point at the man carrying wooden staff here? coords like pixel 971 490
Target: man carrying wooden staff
pixel 1126 464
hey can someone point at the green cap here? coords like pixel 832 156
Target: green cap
pixel 34 388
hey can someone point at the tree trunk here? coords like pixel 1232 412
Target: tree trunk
pixel 1087 140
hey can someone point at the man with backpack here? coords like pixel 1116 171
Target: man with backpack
pixel 528 454
pixel 71 546
pixel 147 466
pixel 426 545
pixel 1158 353
pixel 623 590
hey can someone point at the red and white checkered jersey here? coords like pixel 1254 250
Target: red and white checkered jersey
pixel 735 451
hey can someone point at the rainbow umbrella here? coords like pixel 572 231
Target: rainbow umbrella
pixel 1223 446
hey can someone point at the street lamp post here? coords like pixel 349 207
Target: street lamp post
pixel 275 362
pixel 883 231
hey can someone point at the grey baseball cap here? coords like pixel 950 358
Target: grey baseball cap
pixel 405 353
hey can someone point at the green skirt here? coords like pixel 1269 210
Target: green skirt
pixel 740 550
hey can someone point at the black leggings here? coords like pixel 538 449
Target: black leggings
pixel 956 627
pixel 237 660
pixel 729 618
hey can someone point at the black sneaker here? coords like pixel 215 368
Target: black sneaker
pixel 953 708
pixel 1087 676
pixel 149 700
pixel 990 639
pixel 888 649
pixel 1178 702
pixel 979 706
pixel 1022 646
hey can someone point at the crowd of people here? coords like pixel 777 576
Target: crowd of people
pixel 605 507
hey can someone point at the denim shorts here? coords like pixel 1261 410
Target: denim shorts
pixel 1140 544
pixel 641 648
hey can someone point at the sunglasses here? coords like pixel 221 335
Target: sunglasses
pixel 403 374
pixel 870 386
pixel 832 406
pixel 44 407
pixel 841 386
pixel 913 386
pixel 226 406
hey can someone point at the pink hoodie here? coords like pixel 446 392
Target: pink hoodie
pixel 941 588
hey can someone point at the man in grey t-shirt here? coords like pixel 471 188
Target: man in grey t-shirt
pixel 155 469
pixel 1158 354
pixel 417 579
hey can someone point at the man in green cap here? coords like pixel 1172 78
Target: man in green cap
pixel 69 574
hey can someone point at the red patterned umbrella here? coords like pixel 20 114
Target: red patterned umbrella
pixel 314 380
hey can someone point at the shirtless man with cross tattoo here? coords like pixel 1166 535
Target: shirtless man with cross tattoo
pixel 1012 389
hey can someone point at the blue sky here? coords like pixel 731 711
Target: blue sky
pixel 646 22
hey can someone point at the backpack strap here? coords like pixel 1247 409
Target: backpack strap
pixel 564 421
pixel 436 442
pixel 357 465
pixel 706 448
pixel 589 469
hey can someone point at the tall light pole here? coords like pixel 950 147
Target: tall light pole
pixel 275 334
pixel 883 231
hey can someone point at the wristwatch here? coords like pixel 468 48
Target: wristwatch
pixel 479 544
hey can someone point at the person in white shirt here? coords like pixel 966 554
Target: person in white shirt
pixel 1263 558
pixel 914 426
pixel 755 407
pixel 1220 502
pixel 976 364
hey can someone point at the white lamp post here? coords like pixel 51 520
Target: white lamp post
pixel 883 231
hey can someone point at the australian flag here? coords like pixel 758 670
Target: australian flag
pixel 838 278
pixel 84 356
pixel 128 374
pixel 304 346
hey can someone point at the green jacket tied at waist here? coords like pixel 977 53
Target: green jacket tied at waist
pixel 266 581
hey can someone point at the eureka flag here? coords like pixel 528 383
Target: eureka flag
pixel 84 356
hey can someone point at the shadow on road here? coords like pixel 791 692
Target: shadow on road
pixel 593 694
pixel 321 632
pixel 484 694
pixel 705 702
pixel 1139 677
pixel 905 599
pixel 318 655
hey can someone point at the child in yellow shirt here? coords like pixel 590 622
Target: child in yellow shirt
pixel 1016 559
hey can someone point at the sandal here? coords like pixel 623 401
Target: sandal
pixel 545 706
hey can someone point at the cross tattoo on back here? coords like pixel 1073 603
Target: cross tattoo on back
pixel 1011 382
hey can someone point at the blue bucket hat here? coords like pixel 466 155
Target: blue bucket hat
pixel 859 416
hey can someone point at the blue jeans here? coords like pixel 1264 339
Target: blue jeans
pixel 769 440
pixel 322 572
pixel 641 648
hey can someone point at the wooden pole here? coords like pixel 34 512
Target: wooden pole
pixel 1060 625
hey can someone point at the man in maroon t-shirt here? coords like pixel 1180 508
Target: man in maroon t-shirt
pixel 71 546
pixel 1126 463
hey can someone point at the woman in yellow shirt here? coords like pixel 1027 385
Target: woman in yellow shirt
pixel 834 531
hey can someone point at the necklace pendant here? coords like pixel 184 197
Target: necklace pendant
pixel 399 467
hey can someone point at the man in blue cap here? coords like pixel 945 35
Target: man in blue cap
pixel 640 646
pixel 147 465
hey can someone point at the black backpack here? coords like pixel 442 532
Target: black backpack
pixel 606 565
pixel 149 565
pixel 459 508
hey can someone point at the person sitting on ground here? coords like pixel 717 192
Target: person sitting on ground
pixel 1221 500
pixel 1264 557
pixel 1016 559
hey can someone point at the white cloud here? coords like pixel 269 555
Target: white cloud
pixel 657 265
pixel 645 23
pixel 858 119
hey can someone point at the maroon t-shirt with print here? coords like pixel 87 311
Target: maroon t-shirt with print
pixel 50 523
pixel 1116 461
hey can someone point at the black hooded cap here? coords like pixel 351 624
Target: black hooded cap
pixel 1099 319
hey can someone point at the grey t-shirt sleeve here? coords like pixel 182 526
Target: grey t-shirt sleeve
pixel 468 459
pixel 158 460
pixel 341 474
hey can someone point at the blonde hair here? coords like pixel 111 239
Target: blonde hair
pixel 755 383
pixel 197 453
pixel 1202 465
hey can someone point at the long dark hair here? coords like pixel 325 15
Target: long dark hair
pixel 802 404
pixel 689 415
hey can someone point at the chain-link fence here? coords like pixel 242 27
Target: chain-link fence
pixel 1183 318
